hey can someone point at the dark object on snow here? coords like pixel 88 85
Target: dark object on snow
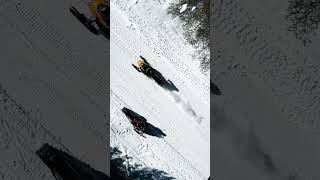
pixel 120 169
pixel 100 11
pixel 154 131
pixel 145 68
pixel 138 122
pixel 146 127
pixel 66 167
pixel 214 89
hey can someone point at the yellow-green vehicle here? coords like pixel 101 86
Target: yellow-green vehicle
pixel 99 22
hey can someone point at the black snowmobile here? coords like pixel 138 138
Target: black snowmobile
pixel 138 122
pixel 145 68
pixel 66 167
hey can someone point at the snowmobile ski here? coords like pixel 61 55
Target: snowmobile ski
pixel 136 68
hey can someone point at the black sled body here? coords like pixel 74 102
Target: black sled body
pixel 131 115
pixel 148 129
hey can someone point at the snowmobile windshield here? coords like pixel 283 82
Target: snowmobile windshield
pixel 104 12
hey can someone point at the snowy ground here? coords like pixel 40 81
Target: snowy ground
pixel 53 77
pixel 266 122
pixel 144 28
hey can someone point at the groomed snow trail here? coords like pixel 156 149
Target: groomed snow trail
pixel 144 28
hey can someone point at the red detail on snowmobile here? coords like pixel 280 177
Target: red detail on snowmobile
pixel 137 121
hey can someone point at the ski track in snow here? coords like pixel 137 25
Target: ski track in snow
pixel 140 28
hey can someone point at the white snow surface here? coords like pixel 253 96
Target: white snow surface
pixel 143 28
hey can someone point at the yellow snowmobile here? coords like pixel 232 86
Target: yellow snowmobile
pixel 100 11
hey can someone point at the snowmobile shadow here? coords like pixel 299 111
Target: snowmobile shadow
pixel 214 89
pixel 154 131
pixel 167 84
pixel 120 171
pixel 66 167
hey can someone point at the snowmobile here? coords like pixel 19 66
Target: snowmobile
pixel 65 167
pixel 100 11
pixel 138 122
pixel 145 68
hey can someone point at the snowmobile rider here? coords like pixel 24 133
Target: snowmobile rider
pixel 144 67
pixel 138 124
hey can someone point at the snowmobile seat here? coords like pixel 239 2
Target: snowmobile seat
pixel 147 71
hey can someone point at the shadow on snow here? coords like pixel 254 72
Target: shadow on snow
pixel 121 169
pixel 66 167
